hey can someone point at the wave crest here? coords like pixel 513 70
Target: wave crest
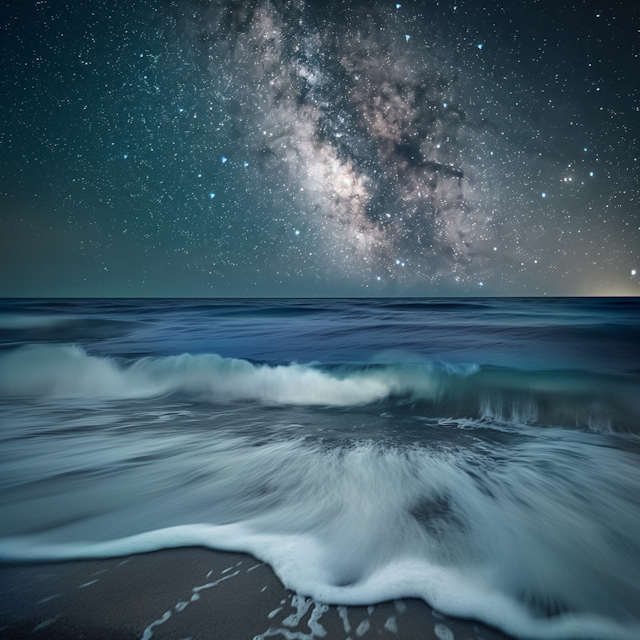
pixel 69 372
pixel 574 399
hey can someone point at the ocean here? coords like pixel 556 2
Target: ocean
pixel 480 454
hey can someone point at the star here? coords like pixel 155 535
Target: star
pixel 350 135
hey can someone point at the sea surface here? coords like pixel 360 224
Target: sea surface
pixel 481 454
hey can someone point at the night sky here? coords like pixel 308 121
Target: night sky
pixel 308 148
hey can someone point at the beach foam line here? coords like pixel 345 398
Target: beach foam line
pixel 454 593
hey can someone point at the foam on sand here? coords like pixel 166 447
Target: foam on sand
pixel 500 543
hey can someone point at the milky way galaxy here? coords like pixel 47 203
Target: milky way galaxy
pixel 304 148
pixel 379 159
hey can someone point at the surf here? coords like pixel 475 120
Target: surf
pixel 576 399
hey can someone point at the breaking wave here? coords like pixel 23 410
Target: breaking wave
pixel 595 402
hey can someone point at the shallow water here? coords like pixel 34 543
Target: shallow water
pixel 482 455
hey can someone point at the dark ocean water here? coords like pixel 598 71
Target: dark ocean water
pixel 483 455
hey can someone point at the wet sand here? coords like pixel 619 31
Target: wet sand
pixel 196 593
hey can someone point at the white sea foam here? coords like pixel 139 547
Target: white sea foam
pixel 68 371
pixel 458 593
pixel 568 399
pixel 538 545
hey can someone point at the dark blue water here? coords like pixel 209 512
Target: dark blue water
pixel 480 454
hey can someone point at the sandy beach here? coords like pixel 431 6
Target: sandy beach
pixel 196 593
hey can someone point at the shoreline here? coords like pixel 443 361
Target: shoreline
pixel 194 592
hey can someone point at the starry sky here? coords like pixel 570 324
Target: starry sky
pixel 319 148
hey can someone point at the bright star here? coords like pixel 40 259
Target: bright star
pixel 591 173
pixel 223 159
pixel 212 195
pixel 246 164
pixel 398 6
pixel 297 232
pixel 379 278
pixel 544 195
pixel 480 47
pixel 481 284
pixel 126 155
pixel 444 104
pixel 407 37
